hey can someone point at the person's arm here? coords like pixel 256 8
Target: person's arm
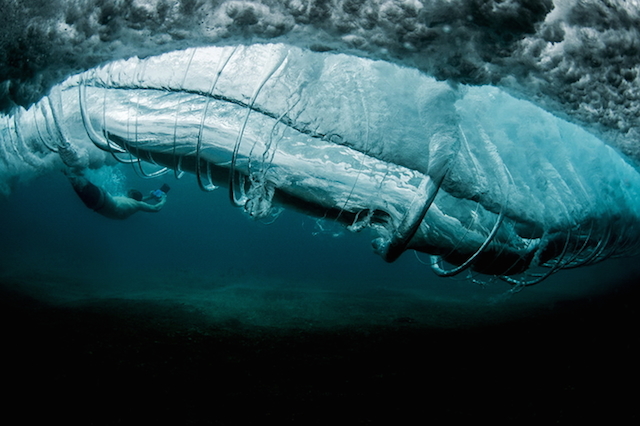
pixel 152 208
pixel 148 197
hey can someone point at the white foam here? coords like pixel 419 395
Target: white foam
pixel 575 58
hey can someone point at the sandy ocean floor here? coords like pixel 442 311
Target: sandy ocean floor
pixel 247 356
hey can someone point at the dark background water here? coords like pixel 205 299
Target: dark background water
pixel 199 315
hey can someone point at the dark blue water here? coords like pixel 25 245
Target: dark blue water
pixel 185 314
pixel 199 246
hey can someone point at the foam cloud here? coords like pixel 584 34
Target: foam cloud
pixel 578 59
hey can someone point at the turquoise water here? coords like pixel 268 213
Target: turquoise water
pixel 201 251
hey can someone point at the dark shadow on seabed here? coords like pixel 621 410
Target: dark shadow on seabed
pixel 142 362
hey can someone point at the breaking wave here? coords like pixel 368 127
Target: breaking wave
pixel 474 177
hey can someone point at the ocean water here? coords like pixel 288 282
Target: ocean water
pixel 200 315
pixel 282 271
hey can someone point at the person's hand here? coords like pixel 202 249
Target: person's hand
pixel 162 200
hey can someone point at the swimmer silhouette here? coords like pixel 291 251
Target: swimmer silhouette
pixel 101 201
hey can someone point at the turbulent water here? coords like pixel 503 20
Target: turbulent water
pixel 469 175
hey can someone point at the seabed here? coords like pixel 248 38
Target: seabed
pixel 140 361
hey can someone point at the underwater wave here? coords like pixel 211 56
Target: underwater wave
pixel 472 176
